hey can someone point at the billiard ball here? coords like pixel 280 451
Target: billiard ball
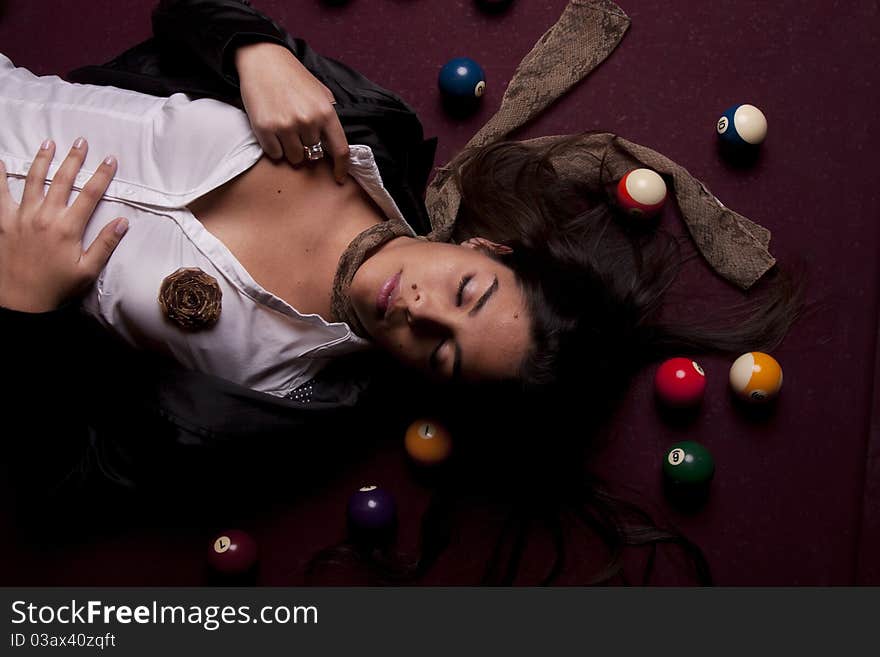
pixel 689 465
pixel 371 510
pixel 742 126
pixel 680 382
pixel 462 80
pixel 427 443
pixel 232 552
pixel 756 377
pixel 641 193
pixel 494 6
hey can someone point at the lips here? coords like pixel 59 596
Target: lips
pixel 387 295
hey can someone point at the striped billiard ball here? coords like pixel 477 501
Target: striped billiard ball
pixel 641 193
pixel 742 126
pixel 756 377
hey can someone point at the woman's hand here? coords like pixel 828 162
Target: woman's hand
pixel 42 263
pixel 289 108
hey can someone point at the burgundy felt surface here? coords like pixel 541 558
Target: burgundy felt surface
pixel 796 498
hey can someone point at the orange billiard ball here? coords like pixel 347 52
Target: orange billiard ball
pixel 756 377
pixel 427 442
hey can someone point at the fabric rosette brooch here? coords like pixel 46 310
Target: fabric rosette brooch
pixel 191 298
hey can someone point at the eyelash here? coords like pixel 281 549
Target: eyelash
pixel 464 281
pixel 459 297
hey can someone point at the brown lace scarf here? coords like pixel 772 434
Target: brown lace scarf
pixel 586 33
pixel 360 248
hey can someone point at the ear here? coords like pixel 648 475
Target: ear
pixel 488 245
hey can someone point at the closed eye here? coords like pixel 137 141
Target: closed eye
pixel 459 299
pixel 464 281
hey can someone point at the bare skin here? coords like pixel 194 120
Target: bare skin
pixel 276 218
pixel 452 310
pixel 457 314
pixel 449 317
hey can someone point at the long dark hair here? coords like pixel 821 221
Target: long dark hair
pixel 595 283
pixel 595 279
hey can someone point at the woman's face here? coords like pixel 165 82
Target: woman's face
pixel 450 310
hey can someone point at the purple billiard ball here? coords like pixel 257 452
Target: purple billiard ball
pixel 232 552
pixel 371 510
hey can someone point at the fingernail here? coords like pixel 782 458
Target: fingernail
pixel 79 142
pixel 45 145
pixel 121 227
pixel 109 160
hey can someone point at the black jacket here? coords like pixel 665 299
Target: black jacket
pixel 192 52
pixel 74 390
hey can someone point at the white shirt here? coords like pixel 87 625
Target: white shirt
pixel 171 151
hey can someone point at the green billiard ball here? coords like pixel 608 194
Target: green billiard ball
pixel 688 464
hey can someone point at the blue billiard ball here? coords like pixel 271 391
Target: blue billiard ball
pixel 462 79
pixel 742 126
pixel 371 511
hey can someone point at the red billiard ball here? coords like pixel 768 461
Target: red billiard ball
pixel 232 552
pixel 680 382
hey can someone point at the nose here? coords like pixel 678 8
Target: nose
pixel 425 313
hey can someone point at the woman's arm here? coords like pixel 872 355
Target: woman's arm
pixel 288 107
pixel 369 114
